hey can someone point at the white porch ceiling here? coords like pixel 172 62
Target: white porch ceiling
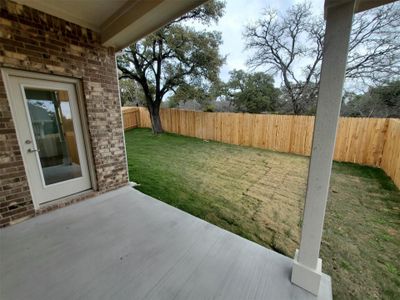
pixel 90 14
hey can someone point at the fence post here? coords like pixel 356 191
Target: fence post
pixel 385 138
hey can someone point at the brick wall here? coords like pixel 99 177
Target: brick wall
pixel 34 41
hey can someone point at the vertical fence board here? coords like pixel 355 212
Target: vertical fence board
pixel 391 151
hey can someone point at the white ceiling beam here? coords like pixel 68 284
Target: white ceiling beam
pixel 136 20
pixel 361 5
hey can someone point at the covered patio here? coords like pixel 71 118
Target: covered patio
pixel 127 245
pixel 123 244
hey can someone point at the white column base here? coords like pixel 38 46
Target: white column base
pixel 305 277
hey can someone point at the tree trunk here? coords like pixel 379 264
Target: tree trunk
pixel 154 111
pixel 296 106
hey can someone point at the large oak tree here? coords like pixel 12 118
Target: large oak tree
pixel 174 55
pixel 290 44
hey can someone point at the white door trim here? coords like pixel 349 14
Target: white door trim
pixel 7 73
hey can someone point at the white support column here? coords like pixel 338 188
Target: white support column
pixel 306 271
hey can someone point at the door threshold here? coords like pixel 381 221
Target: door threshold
pixel 65 201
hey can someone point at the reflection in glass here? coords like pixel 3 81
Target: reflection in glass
pixel 53 128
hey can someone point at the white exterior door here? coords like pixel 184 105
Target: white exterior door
pixel 48 124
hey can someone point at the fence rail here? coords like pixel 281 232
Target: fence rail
pixel 366 141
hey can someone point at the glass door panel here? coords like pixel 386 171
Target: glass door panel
pixel 52 123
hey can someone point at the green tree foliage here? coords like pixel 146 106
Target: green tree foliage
pixel 381 101
pixel 252 92
pixel 175 55
pixel 131 93
pixel 204 95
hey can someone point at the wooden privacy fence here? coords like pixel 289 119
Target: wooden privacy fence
pixel 130 117
pixel 366 141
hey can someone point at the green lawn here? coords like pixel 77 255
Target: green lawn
pixel 259 195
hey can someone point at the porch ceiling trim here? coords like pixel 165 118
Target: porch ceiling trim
pixel 361 5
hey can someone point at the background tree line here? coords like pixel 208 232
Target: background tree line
pixel 178 66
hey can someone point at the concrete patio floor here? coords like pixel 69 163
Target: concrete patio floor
pixel 127 245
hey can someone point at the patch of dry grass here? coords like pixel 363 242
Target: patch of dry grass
pixel 259 195
pixel 361 241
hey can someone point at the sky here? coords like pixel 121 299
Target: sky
pixel 238 13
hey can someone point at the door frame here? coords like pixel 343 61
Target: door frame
pixel 7 73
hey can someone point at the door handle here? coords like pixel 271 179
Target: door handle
pixel 31 150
